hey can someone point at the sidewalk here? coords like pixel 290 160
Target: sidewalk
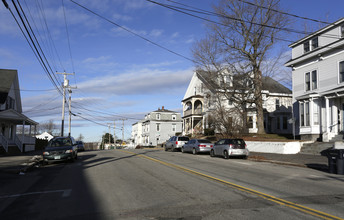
pixel 301 160
pixel 19 163
pixel 22 163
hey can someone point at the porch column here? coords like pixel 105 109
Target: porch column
pixel 30 131
pixel 192 124
pixel 327 105
pixel 22 142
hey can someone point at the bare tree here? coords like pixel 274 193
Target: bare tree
pixel 241 41
pixel 48 126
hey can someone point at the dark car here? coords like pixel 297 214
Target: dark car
pixel 81 146
pixel 61 149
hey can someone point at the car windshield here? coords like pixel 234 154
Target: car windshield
pixel 60 142
pixel 204 141
pixel 183 139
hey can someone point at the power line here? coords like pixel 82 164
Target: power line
pixel 70 51
pixel 32 44
pixel 200 11
pixel 137 35
pixel 285 13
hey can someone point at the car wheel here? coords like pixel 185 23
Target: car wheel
pixel 194 151
pixel 225 154
pixel 212 153
pixel 244 157
pixel 172 149
pixel 183 150
pixel 166 148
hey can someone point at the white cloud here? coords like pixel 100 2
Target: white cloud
pixel 139 82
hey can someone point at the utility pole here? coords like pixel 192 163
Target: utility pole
pixel 123 130
pixel 114 132
pixel 65 85
pixel 109 134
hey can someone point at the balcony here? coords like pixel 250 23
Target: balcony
pixel 196 112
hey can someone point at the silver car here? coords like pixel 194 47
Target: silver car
pixel 176 143
pixel 197 145
pixel 230 148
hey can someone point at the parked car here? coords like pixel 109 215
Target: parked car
pixel 230 148
pixel 61 149
pixel 81 146
pixel 176 143
pixel 197 145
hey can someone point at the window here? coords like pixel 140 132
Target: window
pixel 314 80
pixel 174 117
pixel 278 123
pixel 173 127
pixel 302 114
pixel 316 112
pixel 310 45
pixel 285 122
pixel 10 103
pixel 157 116
pixel 250 122
pixel 314 42
pixel 306 47
pixel 342 30
pixel 311 80
pixel 307 113
pixel 341 72
pixel 277 104
pixel 157 127
pixel 307 81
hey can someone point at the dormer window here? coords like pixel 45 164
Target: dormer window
pixel 306 47
pixel 157 116
pixel 342 30
pixel 310 45
pixel 174 117
pixel 315 43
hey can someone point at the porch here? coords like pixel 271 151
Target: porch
pixel 17 130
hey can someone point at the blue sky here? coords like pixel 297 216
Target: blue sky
pixel 118 75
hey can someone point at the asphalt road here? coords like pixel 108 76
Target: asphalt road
pixel 154 184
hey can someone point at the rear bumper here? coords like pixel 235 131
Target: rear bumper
pixel 238 152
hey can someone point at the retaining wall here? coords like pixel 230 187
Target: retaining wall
pixel 274 147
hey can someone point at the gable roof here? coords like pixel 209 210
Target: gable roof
pixel 269 84
pixel 7 78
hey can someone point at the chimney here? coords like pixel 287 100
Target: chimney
pixel 162 108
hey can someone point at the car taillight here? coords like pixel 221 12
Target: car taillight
pixel 201 145
pixel 46 153
pixel 231 146
pixel 211 145
pixel 176 142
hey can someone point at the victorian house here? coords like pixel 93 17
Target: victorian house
pixel 199 104
pixel 318 83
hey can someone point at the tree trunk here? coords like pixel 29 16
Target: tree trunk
pixel 259 102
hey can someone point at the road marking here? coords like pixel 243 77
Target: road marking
pixel 65 193
pixel 271 198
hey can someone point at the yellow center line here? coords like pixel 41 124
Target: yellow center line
pixel 274 199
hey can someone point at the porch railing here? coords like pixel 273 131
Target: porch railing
pixel 18 142
pixel 4 142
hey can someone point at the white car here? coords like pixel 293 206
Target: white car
pixel 176 143
pixel 230 148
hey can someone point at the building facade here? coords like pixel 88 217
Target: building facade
pixel 318 83
pixel 157 127
pixel 11 116
pixel 199 103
